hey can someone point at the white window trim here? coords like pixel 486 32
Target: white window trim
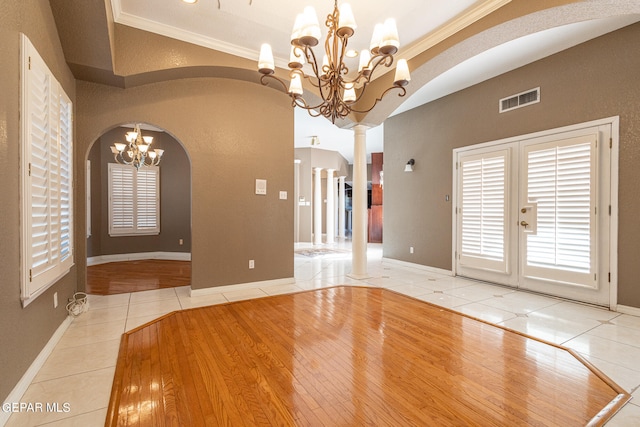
pixel 34 282
pixel 134 230
pixel 88 198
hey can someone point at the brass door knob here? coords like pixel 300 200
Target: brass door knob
pixel 524 224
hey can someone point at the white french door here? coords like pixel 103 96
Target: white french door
pixel 534 213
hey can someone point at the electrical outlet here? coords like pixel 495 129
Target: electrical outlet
pixel 251 264
pixel 55 300
pixel 410 249
pixel 181 242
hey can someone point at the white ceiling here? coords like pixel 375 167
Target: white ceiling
pixel 239 28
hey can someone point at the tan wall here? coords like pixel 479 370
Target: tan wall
pixel 23 331
pixel 594 80
pixel 234 132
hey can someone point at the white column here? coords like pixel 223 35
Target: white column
pixel 342 206
pixel 360 216
pixel 335 210
pixel 330 207
pixel 296 201
pixel 317 207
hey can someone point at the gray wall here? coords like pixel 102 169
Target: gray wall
pixel 591 81
pixel 175 199
pixel 23 331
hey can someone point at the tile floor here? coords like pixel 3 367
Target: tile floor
pixel 81 368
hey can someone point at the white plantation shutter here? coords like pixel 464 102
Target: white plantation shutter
pixel 121 199
pixel 46 146
pixel 66 197
pixel 134 200
pixel 483 205
pixel 561 179
pixel 147 199
pixel 38 98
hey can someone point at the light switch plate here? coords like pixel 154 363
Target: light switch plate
pixel 261 186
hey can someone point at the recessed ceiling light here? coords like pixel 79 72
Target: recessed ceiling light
pixel 352 53
pixel 190 1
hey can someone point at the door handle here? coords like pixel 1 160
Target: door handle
pixel 525 224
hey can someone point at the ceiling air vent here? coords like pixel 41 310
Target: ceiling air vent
pixel 520 100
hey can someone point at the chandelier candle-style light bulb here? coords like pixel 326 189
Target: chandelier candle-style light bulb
pixel 296 59
pixel 266 63
pixel 402 77
pixel 295 88
pixel 347 24
pixel 365 57
pixel 349 94
pixel 341 91
pixel 310 30
pixel 376 38
pixel 390 41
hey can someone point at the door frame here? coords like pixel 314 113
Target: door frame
pixel 614 122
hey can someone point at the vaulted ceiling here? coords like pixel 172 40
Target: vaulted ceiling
pixel 450 45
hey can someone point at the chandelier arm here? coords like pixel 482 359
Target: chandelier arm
pixel 264 81
pixel 403 92
pixel 313 80
pixel 364 78
pixel 385 60
pixel 316 80
pixel 298 101
pixel 344 70
pixel 310 55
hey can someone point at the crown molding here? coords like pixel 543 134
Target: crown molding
pixel 455 25
pixel 127 19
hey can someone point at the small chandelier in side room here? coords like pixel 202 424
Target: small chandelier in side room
pixel 339 89
pixel 136 151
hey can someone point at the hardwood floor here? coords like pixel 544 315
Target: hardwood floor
pixel 133 276
pixel 348 356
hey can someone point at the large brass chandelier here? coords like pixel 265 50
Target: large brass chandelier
pixel 339 88
pixel 136 151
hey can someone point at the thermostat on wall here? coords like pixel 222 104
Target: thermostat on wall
pixel 261 186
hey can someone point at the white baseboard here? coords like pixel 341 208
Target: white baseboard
pixel 625 309
pixel 418 266
pixel 171 256
pixel 240 287
pixel 24 383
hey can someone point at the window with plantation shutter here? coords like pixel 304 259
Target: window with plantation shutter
pixel 134 200
pixel 483 211
pixel 46 146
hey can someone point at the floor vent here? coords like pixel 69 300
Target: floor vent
pixel 520 100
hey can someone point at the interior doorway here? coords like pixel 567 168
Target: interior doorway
pixel 138 231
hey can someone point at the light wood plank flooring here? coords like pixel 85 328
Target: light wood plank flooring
pixel 133 276
pixel 348 356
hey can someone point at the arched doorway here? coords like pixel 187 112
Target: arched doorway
pixel 137 258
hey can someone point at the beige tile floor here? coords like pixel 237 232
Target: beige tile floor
pixel 80 369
